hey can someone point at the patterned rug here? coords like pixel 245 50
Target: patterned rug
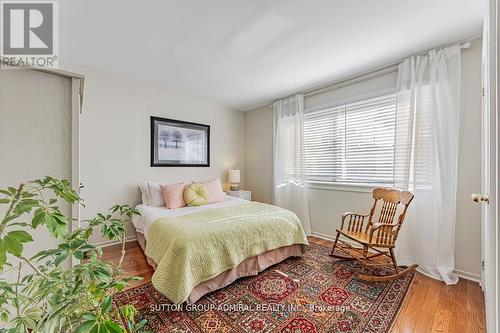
pixel 312 294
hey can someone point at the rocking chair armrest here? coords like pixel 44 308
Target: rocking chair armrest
pixel 374 227
pixel 346 214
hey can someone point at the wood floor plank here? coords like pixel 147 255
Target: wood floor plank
pixel 408 317
pixel 458 295
pixel 475 308
pixel 430 305
pixel 451 308
pixel 428 309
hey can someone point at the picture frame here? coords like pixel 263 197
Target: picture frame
pixel 177 143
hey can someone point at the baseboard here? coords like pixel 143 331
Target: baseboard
pixel 323 236
pixel 114 242
pixel 332 238
pixel 460 273
pixel 468 275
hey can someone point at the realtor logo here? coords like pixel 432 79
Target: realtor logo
pixel 29 33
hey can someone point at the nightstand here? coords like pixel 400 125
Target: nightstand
pixel 247 195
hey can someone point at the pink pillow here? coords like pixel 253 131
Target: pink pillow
pixel 173 194
pixel 214 188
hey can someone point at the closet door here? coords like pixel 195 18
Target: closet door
pixel 36 133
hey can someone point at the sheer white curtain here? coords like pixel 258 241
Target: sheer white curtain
pixel 426 159
pixel 290 183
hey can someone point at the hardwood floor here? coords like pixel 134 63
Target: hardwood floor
pixel 430 305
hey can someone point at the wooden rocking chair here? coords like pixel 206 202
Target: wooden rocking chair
pixel 379 237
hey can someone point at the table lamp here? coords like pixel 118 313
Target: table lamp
pixel 234 179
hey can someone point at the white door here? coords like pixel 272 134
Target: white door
pixel 489 188
pixel 35 132
pixel 39 121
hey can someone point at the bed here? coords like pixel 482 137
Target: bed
pixel 196 250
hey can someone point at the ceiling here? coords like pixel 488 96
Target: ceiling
pixel 246 53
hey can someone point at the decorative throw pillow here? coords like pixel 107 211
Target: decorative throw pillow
pixel 214 188
pixel 173 194
pixel 196 194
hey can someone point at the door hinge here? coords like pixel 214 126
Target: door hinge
pixel 482 265
pixel 483 92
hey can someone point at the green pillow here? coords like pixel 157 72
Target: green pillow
pixel 196 194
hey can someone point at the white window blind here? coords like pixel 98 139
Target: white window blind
pixel 352 143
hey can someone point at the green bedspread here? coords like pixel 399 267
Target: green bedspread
pixel 194 248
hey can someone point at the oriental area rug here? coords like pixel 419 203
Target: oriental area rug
pixel 312 294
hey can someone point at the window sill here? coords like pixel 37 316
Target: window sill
pixel 330 186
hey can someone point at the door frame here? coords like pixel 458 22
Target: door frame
pixel 490 177
pixel 76 109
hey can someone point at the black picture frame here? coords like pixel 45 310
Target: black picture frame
pixel 162 145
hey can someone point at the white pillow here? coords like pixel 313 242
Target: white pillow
pixel 154 194
pixel 144 194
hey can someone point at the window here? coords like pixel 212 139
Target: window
pixel 352 143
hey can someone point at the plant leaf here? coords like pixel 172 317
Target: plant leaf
pixel 106 304
pixel 21 236
pixel 79 255
pixel 55 224
pixel 128 311
pixel 141 324
pixel 13 246
pixel 113 327
pixel 89 316
pixel 86 326
pixel 38 218
pixel 50 326
pixel 5 192
pixel 3 254
pixel 95 329
pixel 25 206
pixel 60 258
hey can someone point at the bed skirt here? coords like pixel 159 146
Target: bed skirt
pixel 248 267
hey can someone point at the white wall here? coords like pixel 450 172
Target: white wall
pixel 115 140
pixel 326 206
pixel 259 154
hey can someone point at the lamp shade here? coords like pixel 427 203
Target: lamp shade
pixel 233 176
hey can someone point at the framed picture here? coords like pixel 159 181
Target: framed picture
pixel 179 143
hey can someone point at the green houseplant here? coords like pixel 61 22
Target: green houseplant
pixel 47 295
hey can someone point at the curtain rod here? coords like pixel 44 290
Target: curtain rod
pixel 362 76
